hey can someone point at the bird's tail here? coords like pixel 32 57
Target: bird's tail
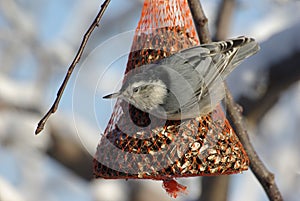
pixel 246 47
pixel 236 51
pixel 230 53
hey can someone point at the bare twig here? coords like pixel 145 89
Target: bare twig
pixel 60 92
pixel 265 177
pixel 210 185
pixel 200 21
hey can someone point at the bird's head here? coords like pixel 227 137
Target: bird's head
pixel 143 94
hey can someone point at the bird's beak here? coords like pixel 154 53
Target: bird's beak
pixel 113 95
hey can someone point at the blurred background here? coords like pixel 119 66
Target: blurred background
pixel 38 41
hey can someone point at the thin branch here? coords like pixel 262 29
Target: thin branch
pixel 213 188
pixel 210 185
pixel 60 92
pixel 200 21
pixel 265 177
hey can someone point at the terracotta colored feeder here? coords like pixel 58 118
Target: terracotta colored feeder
pixel 138 146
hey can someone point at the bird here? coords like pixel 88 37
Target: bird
pixel 187 84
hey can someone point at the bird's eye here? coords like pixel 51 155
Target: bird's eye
pixel 135 89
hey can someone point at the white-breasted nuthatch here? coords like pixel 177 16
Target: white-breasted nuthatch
pixel 186 84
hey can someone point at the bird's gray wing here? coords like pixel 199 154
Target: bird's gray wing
pixel 213 62
pixel 203 68
pixel 189 70
pixel 225 56
pixel 180 86
pixel 230 53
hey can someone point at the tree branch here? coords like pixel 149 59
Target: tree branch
pixel 200 20
pixel 265 177
pixel 60 92
pixel 210 185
